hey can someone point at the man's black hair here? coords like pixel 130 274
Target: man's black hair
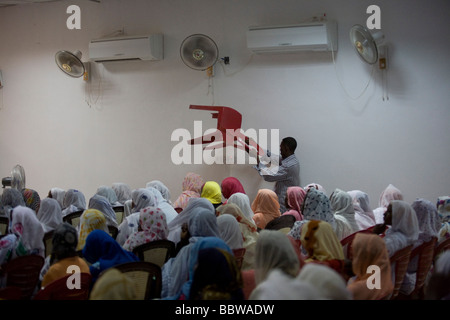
pixel 290 142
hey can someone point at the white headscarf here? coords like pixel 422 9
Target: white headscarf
pixel 329 284
pixel 74 200
pixel 109 194
pixel 363 213
pixel 161 187
pixel 49 214
pixel 58 194
pixel 243 202
pixel 405 227
pixel 193 205
pixel 102 204
pixel 123 192
pixel 274 251
pixel 428 219
pixel 342 205
pixel 280 286
pixel 388 194
pixel 443 208
pixel 230 231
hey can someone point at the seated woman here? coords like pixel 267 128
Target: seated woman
pixel 211 191
pixel 322 246
pixel 273 251
pixel 230 186
pixel 152 225
pixel 216 276
pixel 90 220
pixel 64 254
pixel 370 250
pixel 103 252
pixel 266 207
pixel 74 200
pixel 294 202
pixel 191 188
pixel 175 272
pixel 25 237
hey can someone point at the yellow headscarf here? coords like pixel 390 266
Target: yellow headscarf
pixel 113 285
pixel 91 219
pixel 321 242
pixel 211 191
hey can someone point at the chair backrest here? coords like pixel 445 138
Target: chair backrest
pixel 23 272
pixel 239 255
pixel 48 242
pixel 441 247
pixel 425 254
pixel 147 277
pixel 59 289
pixel 113 231
pixel 73 218
pixel 157 252
pixel 120 212
pixel 400 261
pixel 4 222
pixel 347 242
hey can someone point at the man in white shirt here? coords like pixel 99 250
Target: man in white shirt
pixel 284 170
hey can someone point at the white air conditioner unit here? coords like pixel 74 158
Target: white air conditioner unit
pixel 149 47
pixel 316 36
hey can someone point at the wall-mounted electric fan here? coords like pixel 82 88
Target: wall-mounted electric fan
pixel 199 52
pixel 365 43
pixel 70 63
pixel 370 49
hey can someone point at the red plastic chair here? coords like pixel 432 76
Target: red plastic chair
pixel 441 247
pixel 425 254
pixel 239 255
pixel 347 242
pixel 58 289
pixel 401 260
pixel 23 272
pixel 229 123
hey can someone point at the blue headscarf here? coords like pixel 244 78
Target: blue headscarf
pixel 203 243
pixel 103 252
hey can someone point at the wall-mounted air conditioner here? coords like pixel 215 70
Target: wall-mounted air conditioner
pixel 149 47
pixel 316 36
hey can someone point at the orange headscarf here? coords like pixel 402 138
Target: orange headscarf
pixel 370 250
pixel 266 207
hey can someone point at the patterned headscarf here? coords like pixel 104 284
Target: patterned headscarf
pixel 428 218
pixel 443 208
pixel 315 207
pixel 32 199
pixel 192 187
pixel 154 227
pixel 90 220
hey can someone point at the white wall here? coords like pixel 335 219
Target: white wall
pixel 47 126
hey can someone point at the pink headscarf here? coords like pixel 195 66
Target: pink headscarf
pixel 295 198
pixel 230 186
pixel 192 187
